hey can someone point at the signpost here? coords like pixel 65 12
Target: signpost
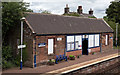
pixel 116 33
pixel 21 46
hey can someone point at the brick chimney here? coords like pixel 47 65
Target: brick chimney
pixel 91 11
pixel 79 10
pixel 66 9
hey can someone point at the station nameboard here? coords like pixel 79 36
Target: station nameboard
pixel 41 44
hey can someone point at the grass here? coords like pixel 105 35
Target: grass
pixel 114 47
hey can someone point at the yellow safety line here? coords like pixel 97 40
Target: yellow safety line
pixel 84 64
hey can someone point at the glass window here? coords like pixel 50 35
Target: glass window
pixel 70 43
pixel 91 41
pixel 78 42
pixel 97 40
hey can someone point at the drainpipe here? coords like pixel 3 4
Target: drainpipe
pixel 101 44
pixel 35 52
pixel 65 45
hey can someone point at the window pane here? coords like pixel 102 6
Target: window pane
pixel 70 38
pixel 76 45
pixel 68 47
pixel 97 40
pixel 79 39
pixel 72 46
pixel 91 40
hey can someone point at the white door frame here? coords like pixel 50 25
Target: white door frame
pixel 106 40
pixel 50 46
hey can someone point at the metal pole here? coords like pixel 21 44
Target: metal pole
pixel 21 43
pixel 116 33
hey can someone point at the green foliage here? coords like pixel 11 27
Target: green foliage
pixel 7 57
pixel 46 12
pixel 7 53
pixel 113 12
pixel 113 17
pixel 73 14
pixel 72 56
pixel 7 64
pixel 91 17
pixel 51 60
pixel 113 26
pixel 12 12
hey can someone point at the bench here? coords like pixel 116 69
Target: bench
pixel 60 58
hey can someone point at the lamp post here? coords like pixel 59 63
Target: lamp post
pixel 22 19
pixel 116 33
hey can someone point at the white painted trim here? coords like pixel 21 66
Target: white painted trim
pixel 29 26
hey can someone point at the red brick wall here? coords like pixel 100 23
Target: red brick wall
pixel 110 41
pixel 97 49
pixel 76 52
pixel 29 41
pixel 42 52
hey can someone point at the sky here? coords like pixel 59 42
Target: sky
pixel 57 6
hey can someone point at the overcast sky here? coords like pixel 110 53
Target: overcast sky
pixel 57 6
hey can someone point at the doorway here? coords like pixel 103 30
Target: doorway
pixel 85 46
pixel 50 46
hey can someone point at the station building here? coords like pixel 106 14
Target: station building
pixel 48 35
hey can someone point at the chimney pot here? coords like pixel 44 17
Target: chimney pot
pixel 66 9
pixel 79 10
pixel 91 11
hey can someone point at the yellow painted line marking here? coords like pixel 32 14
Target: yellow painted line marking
pixel 84 64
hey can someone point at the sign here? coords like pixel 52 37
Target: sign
pixel 41 44
pixel 111 38
pixel 21 46
pixel 59 39
pixel 79 45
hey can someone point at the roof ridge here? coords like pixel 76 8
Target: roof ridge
pixel 61 15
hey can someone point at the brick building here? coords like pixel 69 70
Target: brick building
pixel 48 35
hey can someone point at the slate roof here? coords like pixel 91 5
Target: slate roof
pixel 56 24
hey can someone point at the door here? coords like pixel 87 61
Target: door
pixel 50 46
pixel 85 46
pixel 106 42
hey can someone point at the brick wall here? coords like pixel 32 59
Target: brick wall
pixel 110 41
pixel 59 46
pixel 97 49
pixel 77 52
pixel 42 52
pixel 29 41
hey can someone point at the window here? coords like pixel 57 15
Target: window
pixel 91 41
pixel 70 43
pixel 78 42
pixel 97 40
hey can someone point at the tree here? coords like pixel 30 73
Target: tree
pixel 113 17
pixel 11 14
pixel 113 12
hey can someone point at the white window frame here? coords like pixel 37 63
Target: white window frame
pixel 70 43
pixel 78 42
pixel 97 40
pixel 91 41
